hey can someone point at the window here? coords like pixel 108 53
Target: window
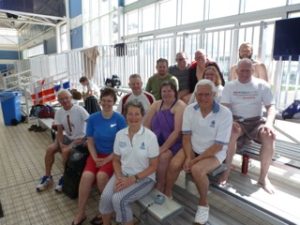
pixel 127 2
pixel 131 22
pixel 95 35
pixel 219 8
pixel 255 5
pixel 94 8
pixel 105 31
pixel 63 38
pixel 167 14
pixel 85 10
pixel 148 18
pixel 192 11
pixel 86 35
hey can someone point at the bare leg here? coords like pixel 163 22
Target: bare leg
pixel 266 154
pixel 164 160
pixel 86 182
pixel 199 172
pixel 49 157
pixel 235 134
pixel 173 171
pixel 102 179
pixel 106 218
pixel 65 152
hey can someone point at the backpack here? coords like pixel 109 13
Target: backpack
pixel 35 110
pixel 291 110
pixel 46 111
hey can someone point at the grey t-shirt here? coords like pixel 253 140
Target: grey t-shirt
pixel 181 75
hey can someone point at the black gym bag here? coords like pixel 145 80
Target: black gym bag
pixel 73 170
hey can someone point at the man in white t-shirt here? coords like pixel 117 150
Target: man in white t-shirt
pixel 206 131
pixel 136 84
pixel 71 127
pixel 245 97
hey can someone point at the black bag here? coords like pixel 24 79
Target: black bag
pixel 91 105
pixel 73 170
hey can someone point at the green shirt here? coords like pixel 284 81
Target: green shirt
pixel 154 82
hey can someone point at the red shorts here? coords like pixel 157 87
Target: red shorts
pixel 90 166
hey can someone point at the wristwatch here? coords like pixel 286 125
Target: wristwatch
pixel 137 179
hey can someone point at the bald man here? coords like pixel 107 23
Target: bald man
pixel 245 98
pixel 246 52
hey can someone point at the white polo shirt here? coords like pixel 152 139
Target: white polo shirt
pixel 214 128
pixel 135 155
pixel 76 126
pixel 246 100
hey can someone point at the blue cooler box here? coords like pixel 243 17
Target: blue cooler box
pixel 11 106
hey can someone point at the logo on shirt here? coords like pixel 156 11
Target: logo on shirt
pixel 143 147
pixel 113 125
pixel 122 144
pixel 212 124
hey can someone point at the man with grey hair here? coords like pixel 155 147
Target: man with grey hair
pixel 136 84
pixel 71 125
pixel 206 131
pixel 245 97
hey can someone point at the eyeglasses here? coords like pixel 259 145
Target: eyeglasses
pixel 69 123
pixel 180 59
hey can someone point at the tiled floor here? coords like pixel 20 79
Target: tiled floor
pixel 21 165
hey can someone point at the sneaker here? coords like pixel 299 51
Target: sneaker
pixel 202 214
pixel 59 185
pixel 45 182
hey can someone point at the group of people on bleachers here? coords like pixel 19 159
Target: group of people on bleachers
pixel 186 119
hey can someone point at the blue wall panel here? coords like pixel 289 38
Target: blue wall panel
pixel 5 54
pixel 75 8
pixel 76 38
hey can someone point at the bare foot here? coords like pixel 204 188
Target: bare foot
pixel 224 177
pixel 79 218
pixel 267 186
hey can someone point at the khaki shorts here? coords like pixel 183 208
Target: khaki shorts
pixel 250 128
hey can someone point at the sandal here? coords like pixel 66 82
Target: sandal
pixel 80 222
pixel 97 220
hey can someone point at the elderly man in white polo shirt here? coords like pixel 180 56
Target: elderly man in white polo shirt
pixel 206 131
pixel 245 97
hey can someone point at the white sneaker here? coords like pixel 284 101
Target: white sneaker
pixel 59 185
pixel 202 214
pixel 45 182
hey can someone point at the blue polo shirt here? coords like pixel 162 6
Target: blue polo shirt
pixel 103 130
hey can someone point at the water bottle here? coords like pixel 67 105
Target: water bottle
pixel 245 164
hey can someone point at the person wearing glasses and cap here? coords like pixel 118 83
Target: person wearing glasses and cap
pixel 71 126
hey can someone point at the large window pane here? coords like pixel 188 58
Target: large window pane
pixel 127 2
pixel 167 16
pixel 85 10
pixel 254 5
pixel 219 8
pixel 148 18
pixel 94 8
pixel 294 1
pixel 95 32
pixel 104 6
pixel 132 22
pixel 86 35
pixel 192 11
pixel 105 32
